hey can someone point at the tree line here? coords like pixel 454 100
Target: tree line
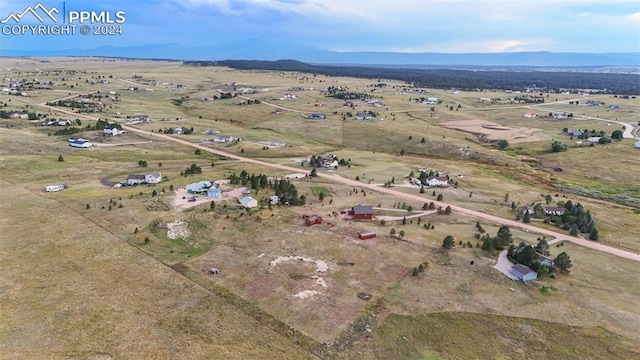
pixel 448 78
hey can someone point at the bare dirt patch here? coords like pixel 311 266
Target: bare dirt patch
pixel 178 230
pixel 491 131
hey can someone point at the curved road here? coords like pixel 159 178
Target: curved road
pixel 413 197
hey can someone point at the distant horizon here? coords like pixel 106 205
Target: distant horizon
pixel 271 51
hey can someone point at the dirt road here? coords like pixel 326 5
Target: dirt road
pixel 397 194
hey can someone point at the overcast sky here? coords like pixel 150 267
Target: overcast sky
pixel 451 26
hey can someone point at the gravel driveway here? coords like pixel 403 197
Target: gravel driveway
pixel 504 265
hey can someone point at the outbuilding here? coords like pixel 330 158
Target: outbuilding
pixel 313 219
pixel 362 212
pixel 523 272
pixel 366 235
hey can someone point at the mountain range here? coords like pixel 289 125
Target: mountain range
pixel 258 49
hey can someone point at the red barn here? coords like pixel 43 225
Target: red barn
pixel 366 235
pixel 362 212
pixel 314 219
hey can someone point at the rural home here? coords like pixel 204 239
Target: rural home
pixel 177 131
pixel 225 139
pixel 362 212
pixel 551 210
pixel 437 181
pixel 18 115
pixel 593 139
pixel 523 272
pixel 140 117
pixel 638 144
pixel 528 210
pixel 530 115
pixel 274 199
pixel 248 202
pixel 363 116
pixel 545 260
pixel 200 187
pixel 366 235
pixel 485 100
pixel 136 179
pixel 153 177
pixel 114 131
pixel 313 219
pixel 577 133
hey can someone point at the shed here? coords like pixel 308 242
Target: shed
pixel 248 202
pixel 313 219
pixel 366 235
pixel 523 272
pixel 214 271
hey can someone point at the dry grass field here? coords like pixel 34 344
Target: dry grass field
pixel 87 274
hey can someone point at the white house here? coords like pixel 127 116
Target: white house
pixel 248 202
pixel 437 181
pixel 114 131
pixel 551 210
pixel 153 177
pixel 136 179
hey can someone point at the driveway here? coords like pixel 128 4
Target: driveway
pixel 504 265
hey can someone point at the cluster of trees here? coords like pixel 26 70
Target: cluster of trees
pixel 255 182
pixel 499 242
pixel 185 131
pixel 448 78
pixel 349 95
pixel 576 220
pixel 223 96
pixel 288 193
pixel 192 170
pixel 557 146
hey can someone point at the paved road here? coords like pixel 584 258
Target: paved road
pixel 397 194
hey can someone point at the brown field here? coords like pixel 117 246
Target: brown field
pixel 79 280
pixel 493 131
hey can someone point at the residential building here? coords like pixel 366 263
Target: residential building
pixel 114 131
pixel 528 210
pixel 136 179
pixel 81 144
pixel 551 210
pixel 437 181
pixel 545 260
pixel 199 187
pixel 153 177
